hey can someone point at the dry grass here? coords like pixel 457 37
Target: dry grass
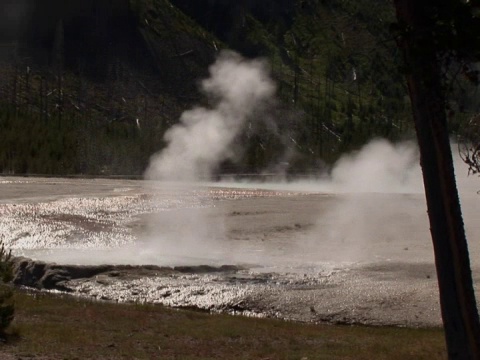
pixel 55 327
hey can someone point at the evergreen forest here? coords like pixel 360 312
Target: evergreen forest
pixel 89 87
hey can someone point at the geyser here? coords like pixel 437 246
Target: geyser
pixel 237 88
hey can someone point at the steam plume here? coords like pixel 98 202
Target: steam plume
pixel 380 167
pixel 237 87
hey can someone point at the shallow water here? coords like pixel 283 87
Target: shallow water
pixel 136 222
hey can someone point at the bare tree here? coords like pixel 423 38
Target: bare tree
pixel 469 147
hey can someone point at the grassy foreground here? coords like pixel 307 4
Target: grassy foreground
pixel 57 327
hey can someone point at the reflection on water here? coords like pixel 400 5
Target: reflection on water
pixel 66 220
pixel 137 222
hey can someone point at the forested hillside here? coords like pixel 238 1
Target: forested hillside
pixel 90 87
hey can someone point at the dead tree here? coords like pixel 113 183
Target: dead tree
pixel 469 147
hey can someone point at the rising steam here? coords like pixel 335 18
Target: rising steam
pixel 374 210
pixel 365 216
pixel 237 88
pixel 379 167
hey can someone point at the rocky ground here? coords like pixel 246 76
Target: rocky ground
pixel 379 294
pixel 291 254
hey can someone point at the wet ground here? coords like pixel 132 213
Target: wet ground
pixel 301 253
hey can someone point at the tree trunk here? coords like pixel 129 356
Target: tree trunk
pixel 457 297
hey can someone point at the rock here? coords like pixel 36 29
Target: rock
pixel 51 276
pixel 203 269
pixel 41 275
pixel 27 272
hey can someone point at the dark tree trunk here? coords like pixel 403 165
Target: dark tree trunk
pixel 457 298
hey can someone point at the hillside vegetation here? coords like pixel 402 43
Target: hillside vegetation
pixel 90 87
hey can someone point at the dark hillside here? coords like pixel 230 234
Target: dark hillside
pixel 88 36
pixel 99 82
pixel 93 33
pixel 227 19
pixel 106 78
